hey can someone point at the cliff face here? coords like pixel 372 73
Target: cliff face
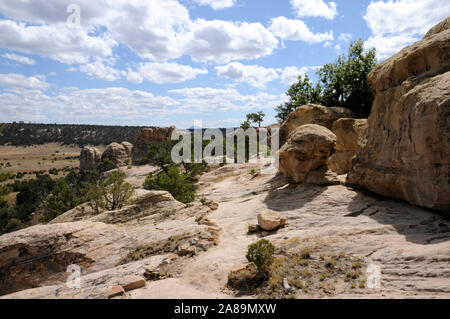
pixel 407 151
pixel 147 136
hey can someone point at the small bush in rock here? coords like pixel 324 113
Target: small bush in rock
pixel 261 254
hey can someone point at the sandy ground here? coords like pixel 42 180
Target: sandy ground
pixel 411 245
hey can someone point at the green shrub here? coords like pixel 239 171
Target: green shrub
pixel 106 165
pixel 261 254
pixel 175 182
pixel 110 194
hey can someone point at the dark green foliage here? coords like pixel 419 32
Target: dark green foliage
pixel 114 191
pixel 261 254
pixel 159 154
pixel 300 93
pixel 256 118
pixel 174 181
pixel 22 134
pixel 106 165
pixel 343 83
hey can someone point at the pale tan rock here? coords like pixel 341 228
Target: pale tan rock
pixel 90 157
pixel 348 133
pixel 307 149
pixel 407 151
pixel 312 114
pixel 118 154
pixel 146 137
pixel 270 220
pixel 132 282
pixel 116 291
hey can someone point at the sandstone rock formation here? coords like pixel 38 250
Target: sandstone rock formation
pixel 119 154
pixel 270 220
pixel 312 114
pixel 147 136
pixel 407 152
pixel 90 157
pixel 348 132
pixel 308 149
pixel 109 247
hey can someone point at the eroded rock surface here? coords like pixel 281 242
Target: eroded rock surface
pixel 119 154
pixel 312 114
pixel 348 132
pixel 90 157
pixel 306 152
pixel 407 151
pixel 154 224
pixel 147 136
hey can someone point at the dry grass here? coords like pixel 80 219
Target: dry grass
pixel 39 158
pixel 311 274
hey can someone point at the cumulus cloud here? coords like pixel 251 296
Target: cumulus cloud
pixel 14 81
pixel 161 73
pixel 57 42
pixel 18 58
pixel 315 8
pixel 254 75
pixel 216 4
pixel 289 75
pixel 161 30
pixel 206 99
pixel 224 41
pixel 99 70
pixel 105 105
pixel 297 30
pixel 394 24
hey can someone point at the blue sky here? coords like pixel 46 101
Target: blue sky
pixel 169 62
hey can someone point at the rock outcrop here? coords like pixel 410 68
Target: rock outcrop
pixel 146 137
pixel 348 133
pixel 119 154
pixel 307 152
pixel 90 157
pixel 407 151
pixel 104 245
pixel 312 114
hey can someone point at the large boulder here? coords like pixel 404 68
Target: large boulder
pixel 90 157
pixel 312 114
pixel 407 151
pixel 148 136
pixel 308 149
pixel 348 133
pixel 119 154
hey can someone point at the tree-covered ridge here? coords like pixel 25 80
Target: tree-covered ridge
pixel 25 134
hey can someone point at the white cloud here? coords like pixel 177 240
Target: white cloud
pixel 289 75
pixel 58 42
pixel 395 24
pixel 297 30
pixel 161 73
pixel 387 46
pixel 18 58
pixel 13 82
pixel 315 8
pixel 213 99
pixel 107 105
pixel 216 4
pixel 99 70
pixel 254 75
pixel 158 30
pixel 345 37
pixel 224 41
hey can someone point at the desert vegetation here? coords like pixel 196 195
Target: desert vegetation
pixel 343 83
